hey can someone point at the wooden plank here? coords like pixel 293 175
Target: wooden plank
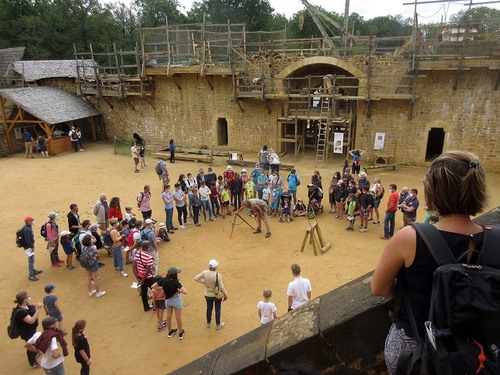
pixel 185 157
pixel 244 163
pixel 379 166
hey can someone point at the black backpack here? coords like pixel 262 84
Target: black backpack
pixel 13 330
pixel 20 240
pixel 463 330
pixel 43 230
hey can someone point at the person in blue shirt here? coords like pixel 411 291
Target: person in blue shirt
pixel 293 181
pixel 171 147
pixel 28 143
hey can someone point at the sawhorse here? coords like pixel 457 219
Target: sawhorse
pixel 316 238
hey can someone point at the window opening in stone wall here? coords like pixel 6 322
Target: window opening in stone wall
pixel 435 144
pixel 222 132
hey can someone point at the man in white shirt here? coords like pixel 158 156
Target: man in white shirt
pixel 46 344
pixel 299 290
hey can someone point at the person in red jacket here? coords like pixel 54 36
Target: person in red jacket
pixel 115 210
pixel 390 212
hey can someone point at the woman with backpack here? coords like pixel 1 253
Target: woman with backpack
pixel 455 187
pixel 26 315
pixel 89 261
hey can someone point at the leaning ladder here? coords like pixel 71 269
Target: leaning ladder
pixel 322 138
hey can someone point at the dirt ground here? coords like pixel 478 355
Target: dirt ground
pixel 123 338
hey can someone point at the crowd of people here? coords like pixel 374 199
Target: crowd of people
pixel 136 241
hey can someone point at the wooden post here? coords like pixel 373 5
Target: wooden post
pixel 92 127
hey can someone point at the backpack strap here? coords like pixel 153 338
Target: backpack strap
pixel 435 242
pixel 489 249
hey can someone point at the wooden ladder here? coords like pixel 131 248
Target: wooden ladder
pixel 322 136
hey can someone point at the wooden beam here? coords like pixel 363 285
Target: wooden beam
pixel 7 127
pixel 92 127
pixel 209 83
pixel 177 83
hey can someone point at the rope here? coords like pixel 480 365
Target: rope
pixel 439 10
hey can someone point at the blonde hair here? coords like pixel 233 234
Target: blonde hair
pixel 267 293
pixel 455 184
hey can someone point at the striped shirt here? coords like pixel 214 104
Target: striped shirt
pixel 142 260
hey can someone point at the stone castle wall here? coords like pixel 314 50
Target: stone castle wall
pixel 189 113
pixel 468 116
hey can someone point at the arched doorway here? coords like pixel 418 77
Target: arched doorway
pixel 320 105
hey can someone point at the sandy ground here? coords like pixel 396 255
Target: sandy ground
pixel 123 338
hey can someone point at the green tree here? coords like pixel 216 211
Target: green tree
pixel 483 19
pixel 389 26
pixel 153 13
pixel 255 14
pixel 13 14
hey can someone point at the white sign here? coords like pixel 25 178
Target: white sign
pixel 379 141
pixel 338 143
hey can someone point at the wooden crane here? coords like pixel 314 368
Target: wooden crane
pixel 318 15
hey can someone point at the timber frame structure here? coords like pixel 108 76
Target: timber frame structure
pixel 266 66
pixel 44 108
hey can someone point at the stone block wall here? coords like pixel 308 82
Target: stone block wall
pixel 187 107
pixel 468 116
pixel 189 112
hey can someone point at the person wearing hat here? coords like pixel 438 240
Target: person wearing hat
pixel 173 290
pixel 29 246
pixel 293 182
pixel 47 344
pixel 51 306
pixel 214 285
pixel 68 247
pixel 163 233
pixel 52 236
